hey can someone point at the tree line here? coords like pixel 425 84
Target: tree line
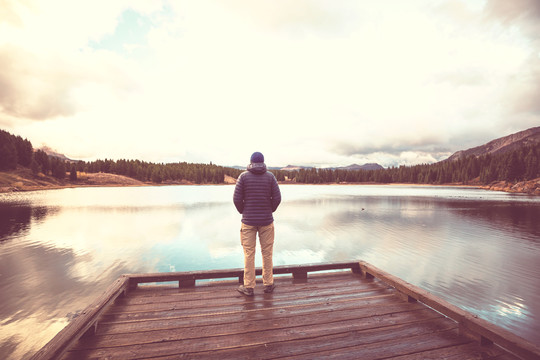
pixel 517 165
pixel 16 151
pixel 159 173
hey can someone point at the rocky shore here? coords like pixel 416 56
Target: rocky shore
pixel 531 187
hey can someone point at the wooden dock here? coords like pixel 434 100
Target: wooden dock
pixel 340 310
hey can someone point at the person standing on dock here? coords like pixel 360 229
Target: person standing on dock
pixel 256 197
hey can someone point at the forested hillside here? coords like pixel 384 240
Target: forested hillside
pixel 16 151
pixel 158 173
pixel 518 165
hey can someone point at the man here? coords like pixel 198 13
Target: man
pixel 256 197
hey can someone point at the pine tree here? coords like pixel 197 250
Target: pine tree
pixel 73 173
pixel 24 151
pixel 8 151
pixel 43 161
pixel 58 168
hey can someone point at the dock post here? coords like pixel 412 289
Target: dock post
pixel 405 297
pixel 365 274
pixel 299 274
pixel 186 283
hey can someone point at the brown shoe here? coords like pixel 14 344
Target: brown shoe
pixel 244 290
pixel 269 288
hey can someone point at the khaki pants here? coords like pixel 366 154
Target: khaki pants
pixel 248 236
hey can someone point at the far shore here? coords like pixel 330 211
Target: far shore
pixel 23 180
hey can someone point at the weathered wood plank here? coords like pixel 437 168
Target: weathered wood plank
pixel 470 351
pixel 310 348
pixel 75 329
pixel 376 307
pixel 208 286
pixel 235 297
pixel 392 346
pixel 232 273
pixel 376 304
pixel 370 330
pixel 470 324
pixel 249 307
pixel 331 314
pixel 283 288
pixel 245 323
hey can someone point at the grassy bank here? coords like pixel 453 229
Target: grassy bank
pixel 23 180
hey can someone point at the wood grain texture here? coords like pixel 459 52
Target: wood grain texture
pixel 358 311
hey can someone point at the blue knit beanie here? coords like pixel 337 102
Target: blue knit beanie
pixel 257 157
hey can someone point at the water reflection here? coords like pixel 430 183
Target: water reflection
pixel 60 249
pixel 39 294
pixel 16 218
pixel 482 256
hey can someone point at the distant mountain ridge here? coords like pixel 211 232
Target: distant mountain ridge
pixel 368 166
pixel 498 146
pixel 292 168
pixel 47 150
pixel 501 145
pixel 352 167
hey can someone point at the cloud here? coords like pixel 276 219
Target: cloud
pixel 9 12
pixel 45 60
pixel 306 83
pixel 388 147
pixel 32 91
pixel 395 151
pixel 523 91
pixel 524 13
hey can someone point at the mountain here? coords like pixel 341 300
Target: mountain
pixel 294 167
pixel 47 150
pixel 502 145
pixel 352 167
pixel 368 166
pixel 286 168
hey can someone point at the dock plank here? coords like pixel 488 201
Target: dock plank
pixel 342 285
pixel 334 315
pixel 374 306
pixel 386 315
pixel 232 297
pixel 251 333
pixel 469 351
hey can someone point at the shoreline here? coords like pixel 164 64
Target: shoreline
pixel 23 180
pixel 529 187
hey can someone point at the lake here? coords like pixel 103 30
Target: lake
pixel 60 249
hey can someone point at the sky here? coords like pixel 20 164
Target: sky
pixel 314 83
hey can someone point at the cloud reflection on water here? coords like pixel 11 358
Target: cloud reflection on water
pixel 60 249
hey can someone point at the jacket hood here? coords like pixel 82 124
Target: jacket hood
pixel 257 168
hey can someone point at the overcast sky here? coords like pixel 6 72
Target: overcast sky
pixel 316 83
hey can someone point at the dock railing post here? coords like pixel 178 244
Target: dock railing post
pixel 366 275
pixel 299 274
pixel 182 283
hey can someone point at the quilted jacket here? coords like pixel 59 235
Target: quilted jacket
pixel 257 195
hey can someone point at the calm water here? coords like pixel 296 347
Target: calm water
pixel 59 249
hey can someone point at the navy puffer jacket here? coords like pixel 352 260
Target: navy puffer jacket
pixel 257 195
